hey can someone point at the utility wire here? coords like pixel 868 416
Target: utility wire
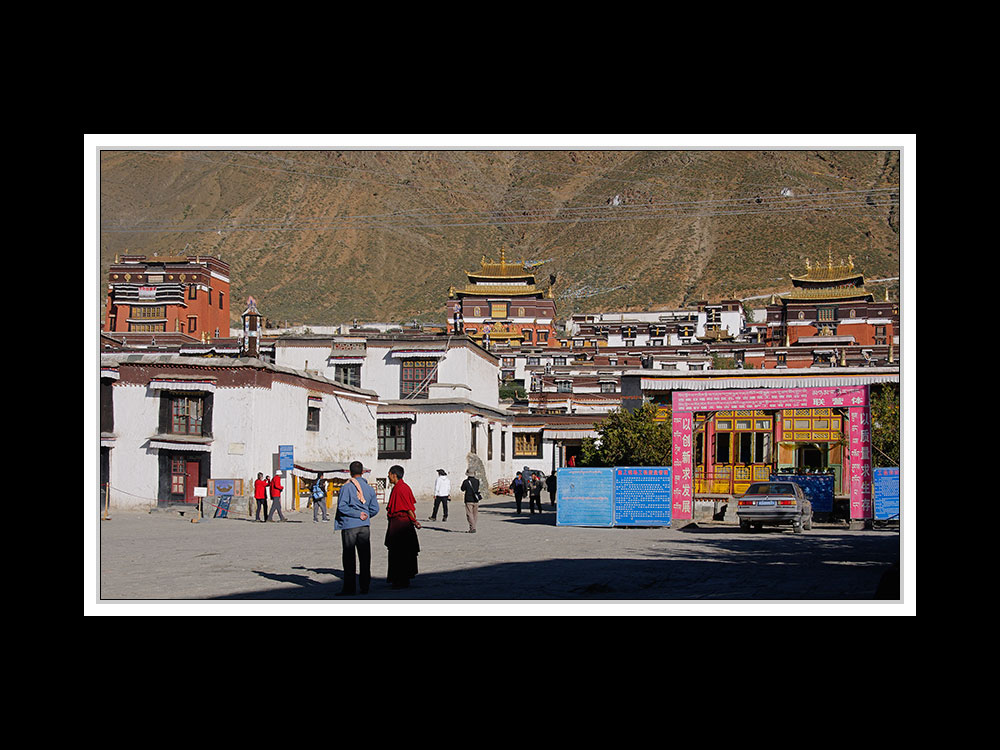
pixel 709 207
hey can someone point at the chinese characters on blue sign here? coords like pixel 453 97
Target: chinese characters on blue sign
pixel 642 496
pixel 623 496
pixel 885 484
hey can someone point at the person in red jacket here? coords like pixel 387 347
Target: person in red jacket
pixel 276 489
pixel 260 495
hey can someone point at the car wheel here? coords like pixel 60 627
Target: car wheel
pixel 807 522
pixel 797 526
pixel 744 526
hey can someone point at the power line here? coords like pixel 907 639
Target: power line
pixel 503 217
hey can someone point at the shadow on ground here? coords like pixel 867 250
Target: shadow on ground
pixel 717 564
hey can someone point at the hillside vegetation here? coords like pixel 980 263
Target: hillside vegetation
pixel 324 237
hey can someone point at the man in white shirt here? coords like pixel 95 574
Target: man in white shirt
pixel 442 488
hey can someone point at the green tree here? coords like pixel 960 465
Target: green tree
pixel 629 439
pixel 885 410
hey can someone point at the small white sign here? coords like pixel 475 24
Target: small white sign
pixel 201 491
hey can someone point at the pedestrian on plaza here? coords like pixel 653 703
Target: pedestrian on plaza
pixel 442 489
pixel 260 495
pixel 401 534
pixel 276 489
pixel 472 497
pixel 356 504
pixel 518 485
pixel 550 484
pixel 534 493
pixel 319 499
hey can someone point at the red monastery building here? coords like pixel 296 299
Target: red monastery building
pixel 502 306
pixel 168 294
pixel 829 318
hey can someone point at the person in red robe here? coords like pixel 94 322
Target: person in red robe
pixel 401 534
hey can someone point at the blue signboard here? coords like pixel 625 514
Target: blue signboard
pixel 285 457
pixel 224 491
pixel 585 497
pixel 885 494
pixel 642 495
pixel 818 488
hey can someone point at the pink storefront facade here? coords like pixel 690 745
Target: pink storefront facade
pixel 693 398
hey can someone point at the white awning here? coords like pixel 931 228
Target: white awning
pixel 346 360
pixel 179 446
pixel 570 434
pixel 412 416
pixel 417 353
pixel 179 384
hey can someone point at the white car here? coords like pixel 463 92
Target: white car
pixel 772 504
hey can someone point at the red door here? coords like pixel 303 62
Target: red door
pixel 191 477
pixel 184 476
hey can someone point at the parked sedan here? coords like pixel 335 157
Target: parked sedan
pixel 772 504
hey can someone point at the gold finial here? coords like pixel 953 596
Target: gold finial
pixel 503 256
pixel 829 257
pixel 808 266
pixel 850 262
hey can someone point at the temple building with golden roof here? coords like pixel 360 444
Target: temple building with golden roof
pixel 501 305
pixel 830 307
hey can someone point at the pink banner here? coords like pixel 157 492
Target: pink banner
pixel 684 403
pixel 770 398
pixel 860 455
pixel 682 458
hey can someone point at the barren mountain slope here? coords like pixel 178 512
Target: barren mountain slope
pixel 323 237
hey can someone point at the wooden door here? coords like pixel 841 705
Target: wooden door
pixel 192 476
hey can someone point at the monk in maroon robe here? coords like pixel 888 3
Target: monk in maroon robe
pixel 401 534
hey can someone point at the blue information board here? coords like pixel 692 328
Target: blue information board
pixel 818 488
pixel 885 494
pixel 585 497
pixel 286 461
pixel 642 495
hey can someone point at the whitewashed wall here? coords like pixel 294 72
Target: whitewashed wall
pixel 248 425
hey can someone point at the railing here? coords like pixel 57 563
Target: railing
pixel 730 480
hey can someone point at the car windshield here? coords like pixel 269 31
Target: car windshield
pixel 770 489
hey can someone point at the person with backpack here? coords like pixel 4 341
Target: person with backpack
pixel 319 499
pixel 534 493
pixel 472 497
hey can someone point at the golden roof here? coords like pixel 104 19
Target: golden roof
pixel 828 272
pixel 842 292
pixel 497 290
pixel 501 270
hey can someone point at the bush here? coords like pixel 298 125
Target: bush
pixel 629 439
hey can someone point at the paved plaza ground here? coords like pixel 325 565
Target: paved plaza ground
pixel 152 558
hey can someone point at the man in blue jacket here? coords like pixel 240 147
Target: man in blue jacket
pixel 356 504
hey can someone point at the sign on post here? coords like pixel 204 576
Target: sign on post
pixel 642 495
pixel 621 496
pixel 885 483
pixel 286 457
pixel 584 497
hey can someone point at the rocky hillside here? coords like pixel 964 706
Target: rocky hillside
pixel 324 237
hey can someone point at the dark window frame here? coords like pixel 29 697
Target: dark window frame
pixel 395 430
